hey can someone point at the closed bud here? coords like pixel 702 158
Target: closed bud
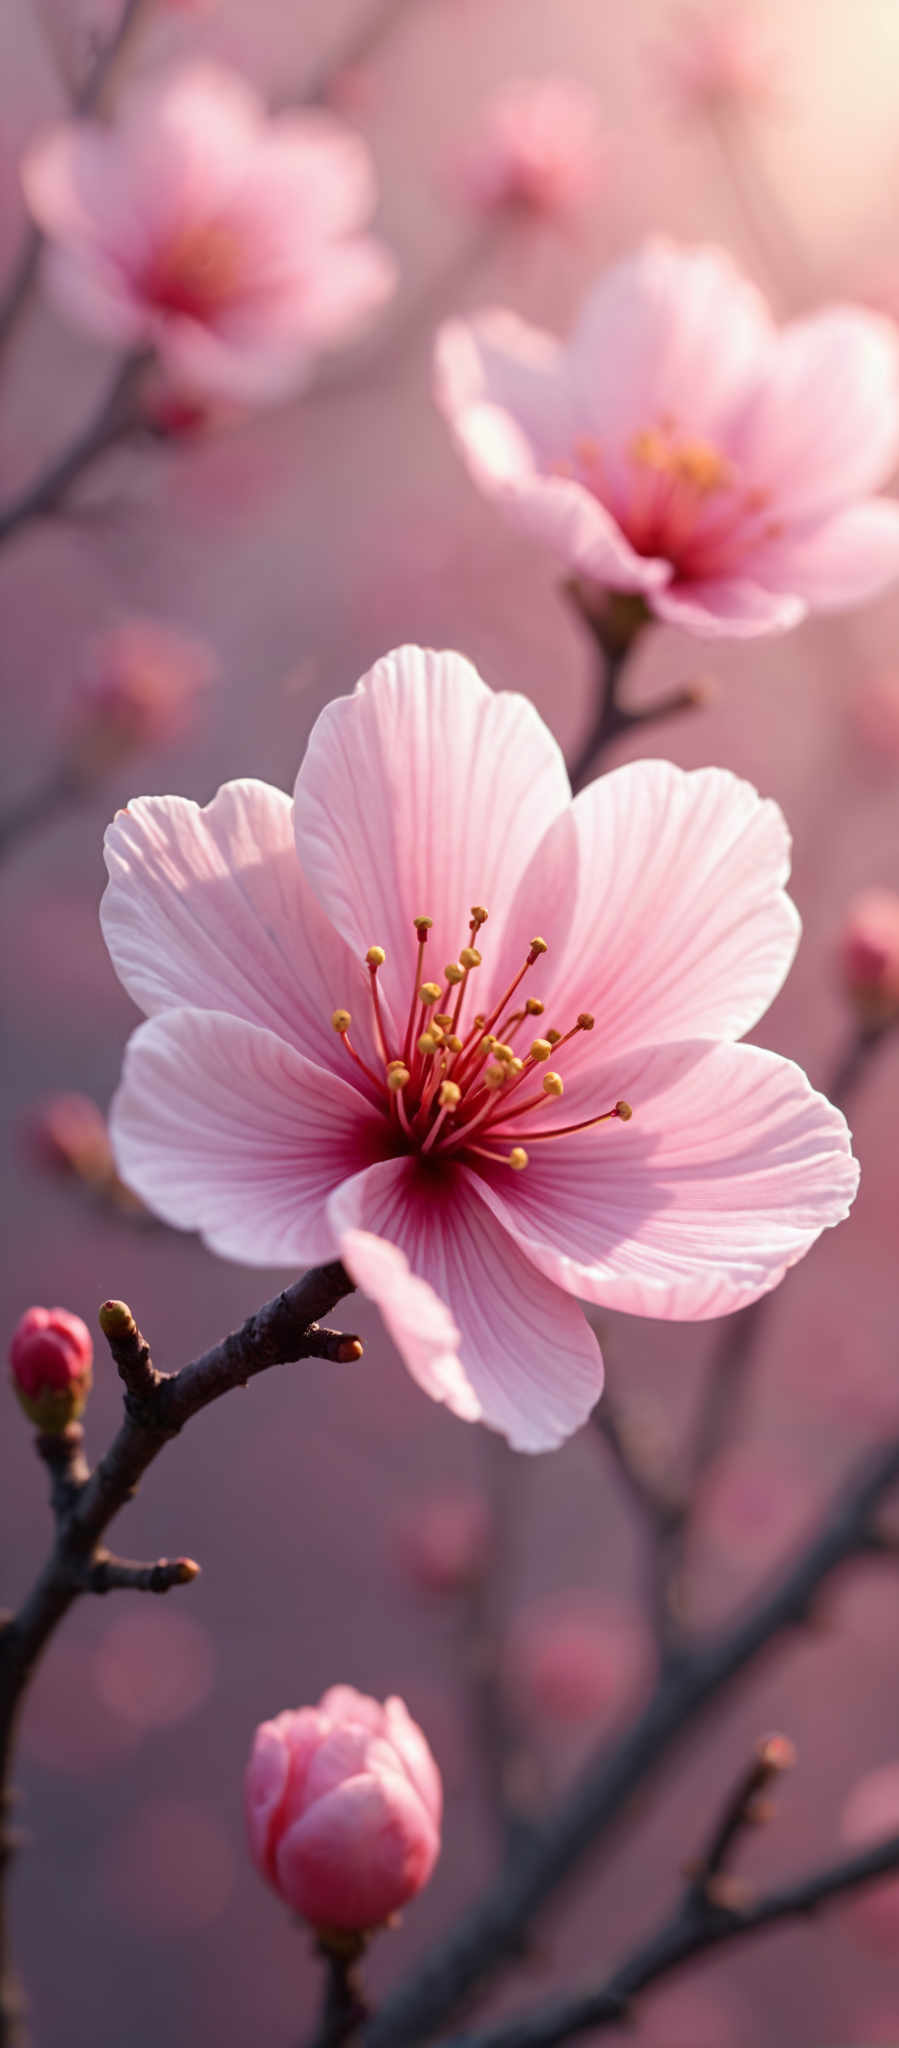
pixel 871 956
pixel 343 1806
pixel 50 1360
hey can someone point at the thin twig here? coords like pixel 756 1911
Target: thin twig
pixel 371 29
pixel 616 621
pixel 112 423
pixel 493 1930
pixel 693 1930
pixel 24 272
pixel 743 1808
pixel 345 2006
pixel 157 1406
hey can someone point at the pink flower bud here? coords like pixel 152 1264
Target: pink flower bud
pixel 137 686
pixel 68 1134
pixel 50 1360
pixel 343 1806
pixel 871 955
pixel 537 151
pixel 442 1545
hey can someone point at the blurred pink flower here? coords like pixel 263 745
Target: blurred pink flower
pixel 537 150
pixel 578 1659
pixel 874 709
pixel 137 685
pixel 51 1356
pixel 443 1544
pixel 715 57
pixel 870 1814
pixel 68 1133
pixel 247 1111
pixel 227 241
pixel 870 955
pixel 681 448
pixel 343 1805
pixel 153 1668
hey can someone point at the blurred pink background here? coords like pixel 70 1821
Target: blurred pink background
pixel 303 544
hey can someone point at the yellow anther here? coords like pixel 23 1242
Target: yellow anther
pixel 479 1021
pixel 453 1044
pixel 553 1084
pixel 394 1063
pixel 502 1052
pixel 514 1066
pixel 450 1094
pixel 397 1078
pixel 454 973
pixel 552 1037
pixel 478 914
pixel 443 1020
pixel 375 956
pixel 341 1020
pixel 470 957
pixel 585 1022
pixel 534 1007
pixel 436 1031
pixel 541 1049
pixel 488 1042
pixel 518 1158
pixel 624 1110
pixel 427 1044
pixel 430 993
pixel 494 1077
pixel 422 925
pixel 538 946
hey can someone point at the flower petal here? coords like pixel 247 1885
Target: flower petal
pixel 503 389
pixel 823 426
pixel 421 795
pixel 847 559
pixel 671 887
pixel 221 1127
pixel 730 1168
pixel 209 908
pixel 728 608
pixel 526 1360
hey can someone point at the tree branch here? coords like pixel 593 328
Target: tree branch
pixel 493 1930
pixel 112 423
pixel 691 1931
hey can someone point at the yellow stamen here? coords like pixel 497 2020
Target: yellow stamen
pixel 541 1049
pixel 427 1044
pixel 429 993
pixel 478 916
pixel 454 973
pixel 553 1037
pixel 375 956
pixel 553 1084
pixel 422 926
pixel 341 1021
pixel 534 1006
pixel 538 946
pixel 470 957
pixel 397 1078
pixel 518 1158
pixel 450 1095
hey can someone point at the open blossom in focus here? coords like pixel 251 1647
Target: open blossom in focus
pixel 404 1020
pixel 137 685
pixel 717 57
pixel 871 1813
pixel 344 1804
pixel 537 150
pixel 871 955
pixel 51 1357
pixel 682 448
pixel 229 242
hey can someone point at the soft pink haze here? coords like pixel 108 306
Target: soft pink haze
pixel 138 683
pixel 683 448
pixel 870 951
pixel 870 1814
pixel 229 242
pixel 343 1805
pixel 537 150
pixel 717 57
pixel 319 1078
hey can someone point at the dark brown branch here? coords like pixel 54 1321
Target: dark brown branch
pixel 112 423
pixel 345 2006
pixel 493 1930
pixel 692 1931
pixel 107 1574
pixel 615 622
pixel 743 1808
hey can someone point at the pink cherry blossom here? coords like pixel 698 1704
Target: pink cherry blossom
pixel 51 1356
pixel 537 150
pixel 228 242
pixel 343 1805
pixel 345 1054
pixel 137 684
pixel 716 57
pixel 680 447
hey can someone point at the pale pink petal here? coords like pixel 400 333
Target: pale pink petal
pixel 336 301
pixel 364 1844
pixel 92 292
pixel 322 171
pixel 504 391
pixel 70 178
pixel 189 137
pixel 203 359
pixel 729 1169
pixel 221 1127
pixel 662 897
pixel 525 1352
pixel 421 795
pixel 823 426
pixel 412 1749
pixel 209 908
pixel 727 608
pixel 668 332
pixel 419 1323
pixel 847 559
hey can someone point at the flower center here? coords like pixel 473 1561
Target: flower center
pixel 455 1083
pixel 198 272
